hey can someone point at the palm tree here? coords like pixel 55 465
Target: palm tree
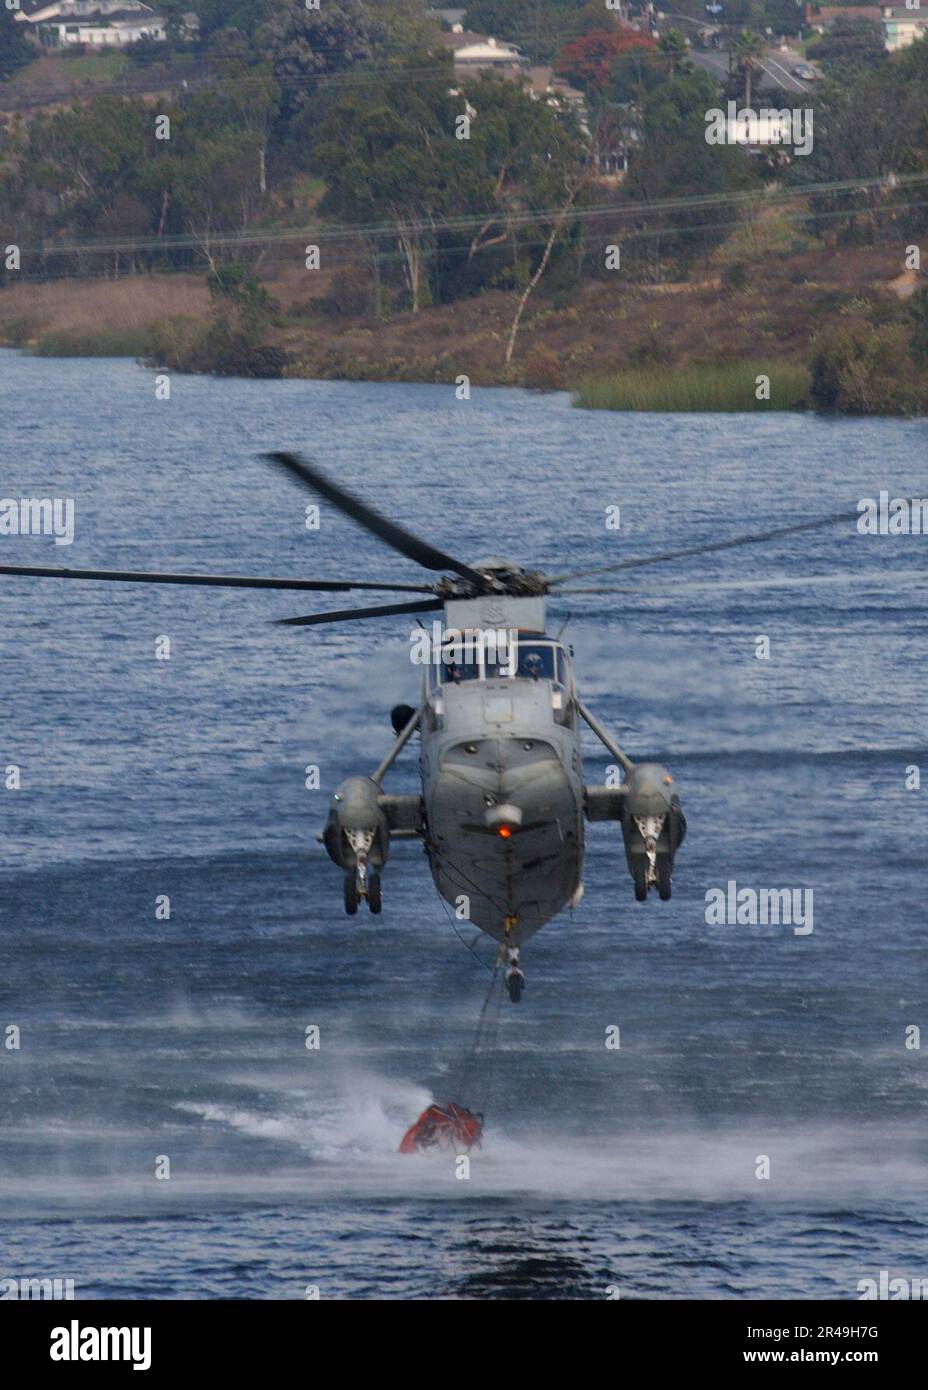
pixel 749 49
pixel 673 48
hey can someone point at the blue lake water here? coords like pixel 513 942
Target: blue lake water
pixel 632 1168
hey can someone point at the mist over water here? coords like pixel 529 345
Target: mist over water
pixel 632 1167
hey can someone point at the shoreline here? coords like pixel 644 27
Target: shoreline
pixel 677 346
pixel 587 393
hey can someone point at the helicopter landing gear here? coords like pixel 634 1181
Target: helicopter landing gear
pixel 362 882
pixel 515 980
pixel 374 898
pixel 358 887
pixel 651 869
pixel 351 892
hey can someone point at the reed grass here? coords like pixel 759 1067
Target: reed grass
pixel 726 388
pixel 103 342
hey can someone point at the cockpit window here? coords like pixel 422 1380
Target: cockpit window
pixel 531 660
pixel 494 669
pixel 461 665
pixel 536 661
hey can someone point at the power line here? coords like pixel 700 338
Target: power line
pixel 430 253
pixel 470 222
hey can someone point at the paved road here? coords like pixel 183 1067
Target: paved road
pixel 776 68
pixel 779 66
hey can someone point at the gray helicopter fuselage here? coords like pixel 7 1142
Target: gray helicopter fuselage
pixel 502 781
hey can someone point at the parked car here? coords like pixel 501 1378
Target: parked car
pixel 805 71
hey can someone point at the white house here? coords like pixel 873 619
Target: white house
pixel 489 54
pixel 97 23
pixel 902 26
pixel 477 53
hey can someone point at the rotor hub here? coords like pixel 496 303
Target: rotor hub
pixel 501 576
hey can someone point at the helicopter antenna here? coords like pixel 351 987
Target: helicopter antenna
pixel 562 627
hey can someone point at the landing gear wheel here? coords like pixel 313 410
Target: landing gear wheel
pixel 664 886
pixel 351 892
pixel 514 982
pixel 374 896
pixel 640 875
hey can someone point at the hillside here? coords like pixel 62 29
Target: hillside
pixel 772 315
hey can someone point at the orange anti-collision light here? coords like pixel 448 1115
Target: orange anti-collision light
pixel 668 780
pixel 505 832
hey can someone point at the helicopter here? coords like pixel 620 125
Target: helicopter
pixel 502 805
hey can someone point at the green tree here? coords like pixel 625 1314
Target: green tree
pixel 232 287
pixel 539 27
pixel 175 13
pixel 634 74
pixel 15 48
pixel 851 43
pixel 673 50
pixel 743 14
pixel 145 52
pixel 216 196
pixel 242 111
pixel 395 167
pixel 82 158
pixel 244 15
pixel 517 158
pixel 861 368
pixel 870 128
pixel 385 150
pixel 673 162
pixel 749 49
pixel 96 170
pixel 406 24
pixel 783 16
pixel 918 318
pixel 303 46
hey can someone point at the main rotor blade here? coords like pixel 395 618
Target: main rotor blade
pixel 753 539
pixel 396 536
pixel 675 587
pixel 387 610
pixel 219 581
